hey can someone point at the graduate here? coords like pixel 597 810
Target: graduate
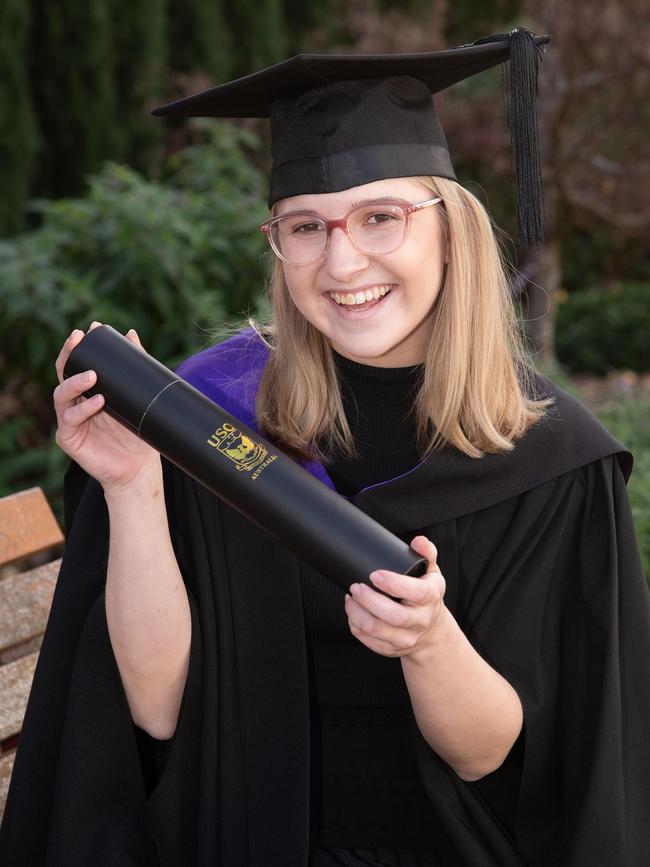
pixel 203 697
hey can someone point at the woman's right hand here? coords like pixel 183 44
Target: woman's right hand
pixel 103 447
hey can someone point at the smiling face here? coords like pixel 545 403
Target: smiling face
pixel 394 328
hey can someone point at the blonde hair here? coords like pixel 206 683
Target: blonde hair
pixel 476 392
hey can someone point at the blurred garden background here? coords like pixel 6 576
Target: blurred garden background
pixel 107 213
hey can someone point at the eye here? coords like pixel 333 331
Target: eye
pixel 305 228
pixel 379 218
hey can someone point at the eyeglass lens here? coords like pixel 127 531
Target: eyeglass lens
pixel 301 239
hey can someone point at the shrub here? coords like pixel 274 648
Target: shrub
pixel 170 259
pixel 600 330
pixel 18 128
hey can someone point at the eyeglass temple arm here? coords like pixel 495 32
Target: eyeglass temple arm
pixel 420 205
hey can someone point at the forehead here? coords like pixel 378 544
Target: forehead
pixel 408 189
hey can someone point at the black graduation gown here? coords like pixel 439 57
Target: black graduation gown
pixel 543 575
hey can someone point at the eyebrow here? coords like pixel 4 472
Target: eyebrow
pixel 395 199
pixel 356 204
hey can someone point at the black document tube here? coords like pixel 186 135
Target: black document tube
pixel 237 464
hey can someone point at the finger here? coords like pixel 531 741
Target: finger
pixel 364 626
pixel 67 393
pixel 425 547
pixel 76 415
pixel 388 610
pixel 73 340
pixel 376 644
pixel 94 324
pixel 412 591
pixel 134 337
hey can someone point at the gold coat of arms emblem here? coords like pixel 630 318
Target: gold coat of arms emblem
pixel 244 452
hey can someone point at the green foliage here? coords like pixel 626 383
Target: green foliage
pixel 198 37
pixel 599 330
pixel 217 166
pixel 599 255
pixel 305 15
pixel 87 73
pixel 18 136
pixel 42 463
pixel 138 54
pixel 261 34
pixel 170 259
pixel 73 87
pixel 229 200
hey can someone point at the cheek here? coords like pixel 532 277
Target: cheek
pixel 294 283
pixel 430 237
pixel 297 294
pixel 302 291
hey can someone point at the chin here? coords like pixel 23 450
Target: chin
pixel 364 354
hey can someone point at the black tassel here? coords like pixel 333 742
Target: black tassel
pixel 524 59
pixel 524 56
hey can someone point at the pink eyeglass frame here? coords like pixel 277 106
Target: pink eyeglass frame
pixel 407 208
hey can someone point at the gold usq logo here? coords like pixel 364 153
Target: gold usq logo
pixel 244 452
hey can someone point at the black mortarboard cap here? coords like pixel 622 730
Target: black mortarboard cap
pixel 339 121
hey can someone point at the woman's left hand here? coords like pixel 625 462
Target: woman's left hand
pixel 398 628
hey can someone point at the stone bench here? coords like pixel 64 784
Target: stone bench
pixel 28 532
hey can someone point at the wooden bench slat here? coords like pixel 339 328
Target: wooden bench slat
pixel 6 767
pixel 25 602
pixel 15 684
pixel 27 525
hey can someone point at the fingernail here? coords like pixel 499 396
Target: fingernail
pixel 354 588
pixel 88 376
pixel 376 577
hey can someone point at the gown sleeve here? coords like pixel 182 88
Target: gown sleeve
pixel 551 592
pixel 77 794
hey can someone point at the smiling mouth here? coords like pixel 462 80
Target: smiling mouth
pixel 362 298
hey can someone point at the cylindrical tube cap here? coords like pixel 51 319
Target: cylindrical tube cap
pixel 120 362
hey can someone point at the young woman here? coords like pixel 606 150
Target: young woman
pixel 212 699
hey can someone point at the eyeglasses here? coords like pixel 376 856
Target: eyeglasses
pixel 378 227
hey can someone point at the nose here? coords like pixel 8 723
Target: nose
pixel 342 259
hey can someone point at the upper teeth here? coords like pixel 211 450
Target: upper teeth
pixel 361 297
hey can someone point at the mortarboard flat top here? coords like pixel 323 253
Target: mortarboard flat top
pixel 343 120
pixel 253 95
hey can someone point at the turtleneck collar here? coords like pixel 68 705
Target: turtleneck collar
pixel 356 372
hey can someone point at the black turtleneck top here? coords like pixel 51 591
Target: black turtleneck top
pixel 377 403
pixel 365 788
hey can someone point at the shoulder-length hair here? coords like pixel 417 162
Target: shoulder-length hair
pixel 476 390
